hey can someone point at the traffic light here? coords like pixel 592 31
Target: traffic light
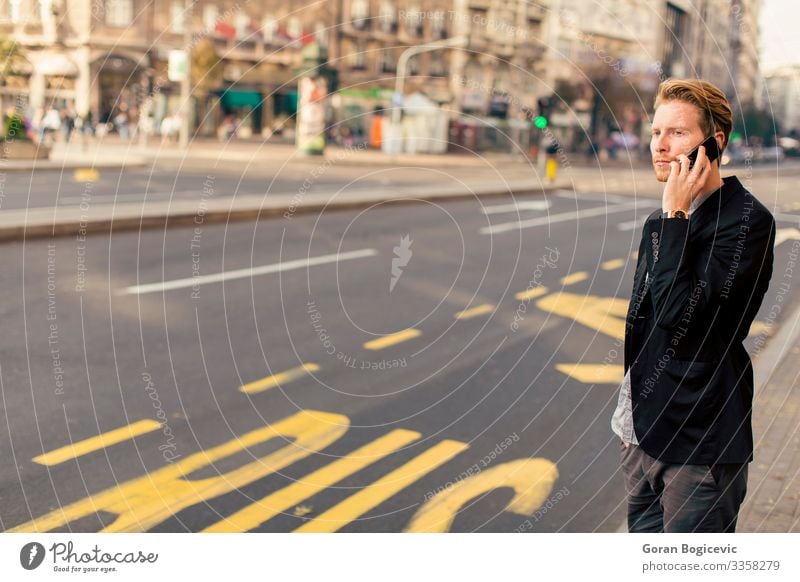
pixel 545 104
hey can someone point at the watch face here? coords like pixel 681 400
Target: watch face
pixel 678 214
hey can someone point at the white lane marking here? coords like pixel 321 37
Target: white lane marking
pixel 631 224
pixel 787 217
pixel 515 206
pixel 244 273
pixel 562 217
pixel 595 196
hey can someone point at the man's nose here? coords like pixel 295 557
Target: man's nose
pixel 659 143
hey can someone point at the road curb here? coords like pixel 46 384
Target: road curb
pixel 61 165
pixel 43 223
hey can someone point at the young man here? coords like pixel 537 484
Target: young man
pixel 704 264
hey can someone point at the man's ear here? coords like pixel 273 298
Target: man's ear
pixel 720 137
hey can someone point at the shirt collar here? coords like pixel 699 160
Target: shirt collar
pixel 729 184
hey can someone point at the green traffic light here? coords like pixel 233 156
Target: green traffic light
pixel 540 122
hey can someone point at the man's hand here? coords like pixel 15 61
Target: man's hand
pixel 685 184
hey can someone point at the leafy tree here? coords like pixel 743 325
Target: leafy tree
pixel 9 55
pixel 753 122
pixel 206 68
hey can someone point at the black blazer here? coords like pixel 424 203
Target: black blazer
pixel 691 378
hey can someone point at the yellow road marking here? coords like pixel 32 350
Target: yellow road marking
pixel 605 314
pixel 392 339
pixel 370 497
pixel 593 373
pixel 98 442
pixel 612 264
pixel 531 479
pixel 574 278
pixel 86 175
pixel 260 511
pixel 475 311
pixel 278 379
pixel 146 501
pixel 531 293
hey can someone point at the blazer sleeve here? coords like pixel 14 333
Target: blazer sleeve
pixel 680 291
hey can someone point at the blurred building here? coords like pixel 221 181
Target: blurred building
pixel 600 60
pixel 745 79
pixel 494 80
pixel 604 64
pixel 103 57
pixel 782 94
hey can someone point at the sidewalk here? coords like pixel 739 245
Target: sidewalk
pixel 92 217
pixel 773 488
pixel 276 153
pixel 112 151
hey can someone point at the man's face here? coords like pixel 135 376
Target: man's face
pixel 676 130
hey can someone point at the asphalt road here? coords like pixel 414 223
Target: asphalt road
pixel 301 392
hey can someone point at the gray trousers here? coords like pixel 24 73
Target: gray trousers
pixel 681 498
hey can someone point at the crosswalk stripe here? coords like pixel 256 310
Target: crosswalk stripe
pixel 593 373
pixel 98 442
pixel 370 497
pixel 475 311
pixel 268 507
pixel 392 339
pixel 279 379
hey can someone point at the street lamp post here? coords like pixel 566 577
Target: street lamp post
pixel 186 82
pixel 402 65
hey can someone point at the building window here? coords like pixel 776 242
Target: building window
pixel 210 15
pixel 359 14
pixel 119 12
pixel 15 10
pixel 294 28
pixel 177 16
pixel 357 57
pixel 438 25
pixel 478 22
pixel 414 21
pixel 438 68
pixel 388 63
pixel 241 22
pixel 673 42
pixel 321 34
pixel 45 10
pixel 269 28
pixel 388 17
pixel 413 65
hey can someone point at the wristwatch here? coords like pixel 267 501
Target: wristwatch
pixel 677 214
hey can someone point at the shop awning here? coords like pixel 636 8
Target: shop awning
pixel 232 99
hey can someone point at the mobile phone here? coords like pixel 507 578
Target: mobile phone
pixel 712 150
